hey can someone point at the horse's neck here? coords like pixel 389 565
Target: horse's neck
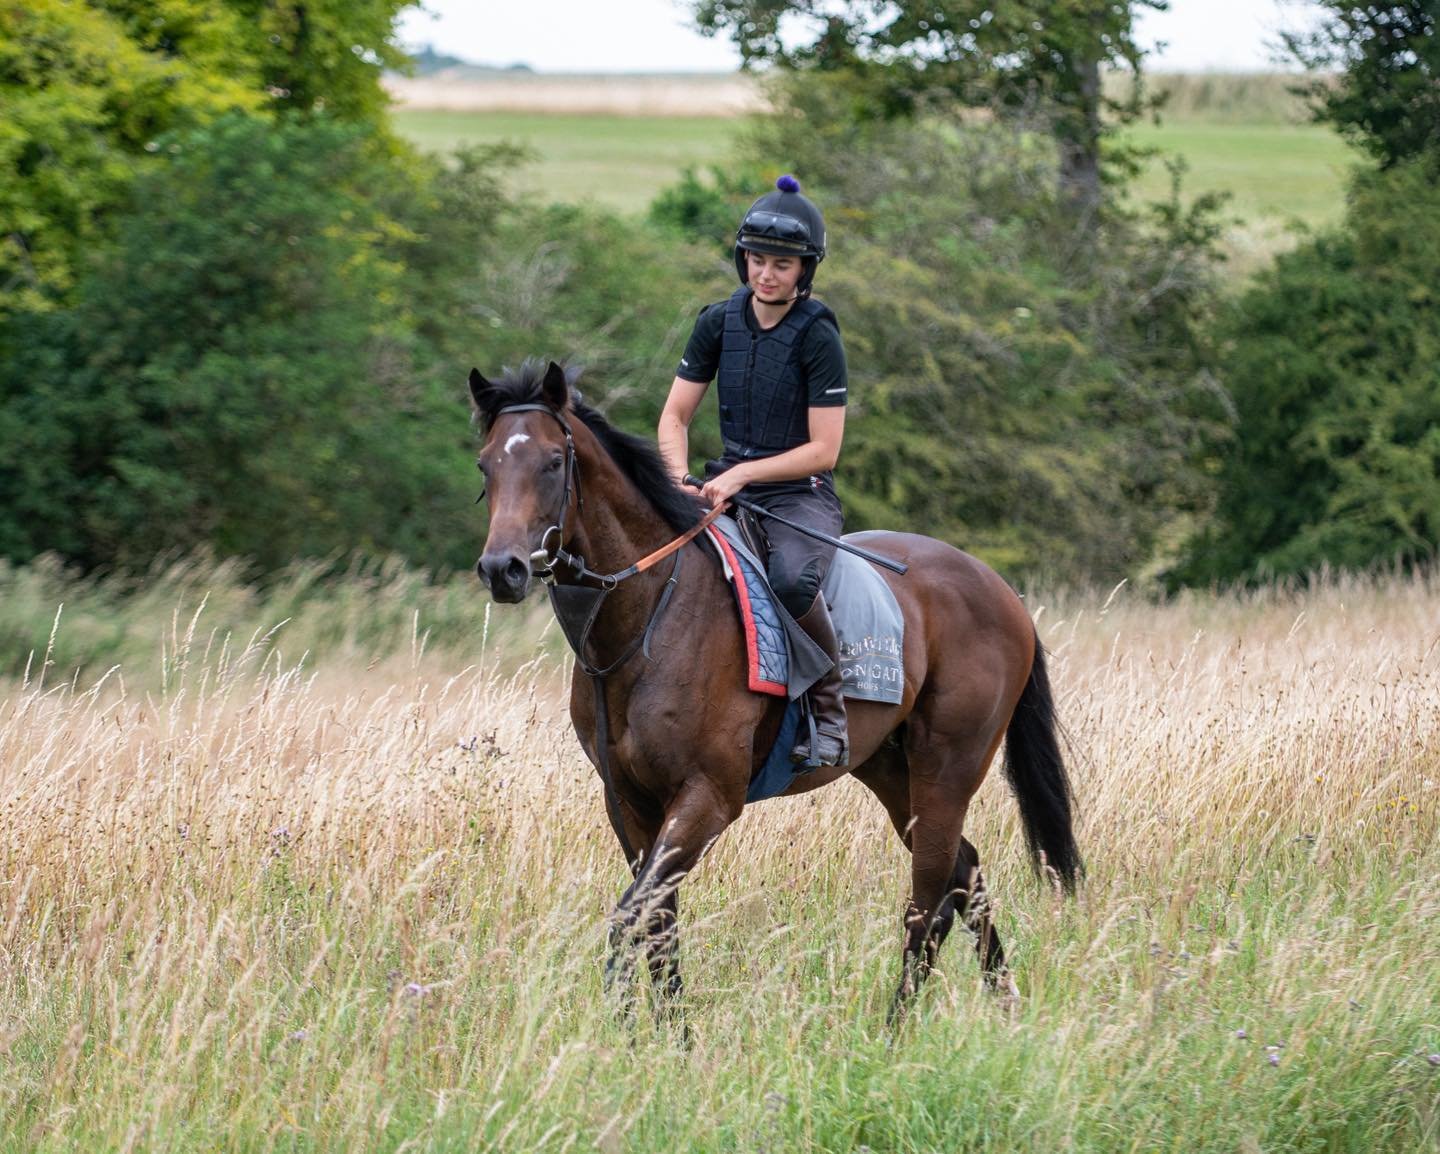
pixel 617 527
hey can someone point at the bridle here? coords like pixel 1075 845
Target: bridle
pixel 543 561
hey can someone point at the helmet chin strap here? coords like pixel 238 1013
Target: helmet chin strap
pixel 799 295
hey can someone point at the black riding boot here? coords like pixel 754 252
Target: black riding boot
pixel 827 704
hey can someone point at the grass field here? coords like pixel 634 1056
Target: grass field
pixel 1277 176
pixel 619 161
pixel 1240 135
pixel 357 902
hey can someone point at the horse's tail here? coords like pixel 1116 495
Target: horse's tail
pixel 1037 774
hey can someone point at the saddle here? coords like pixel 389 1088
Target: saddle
pixel 783 659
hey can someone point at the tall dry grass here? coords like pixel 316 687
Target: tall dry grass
pixel 260 904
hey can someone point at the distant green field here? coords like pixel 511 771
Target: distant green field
pixel 620 161
pixel 1276 173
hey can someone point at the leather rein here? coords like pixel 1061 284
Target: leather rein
pixel 577 603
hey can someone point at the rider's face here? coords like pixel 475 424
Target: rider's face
pixel 773 278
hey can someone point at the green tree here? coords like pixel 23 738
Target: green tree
pixel 86 89
pixel 326 57
pixel 1039 61
pixel 80 100
pixel 1333 359
pixel 1386 96
pixel 238 371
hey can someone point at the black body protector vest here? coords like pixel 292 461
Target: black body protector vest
pixel 764 403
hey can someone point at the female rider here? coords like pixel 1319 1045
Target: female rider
pixel 781 381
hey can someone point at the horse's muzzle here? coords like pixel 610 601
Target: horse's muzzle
pixel 506 575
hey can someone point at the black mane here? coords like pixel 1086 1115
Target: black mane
pixel 637 457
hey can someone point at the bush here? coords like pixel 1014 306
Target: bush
pixel 237 371
pixel 1334 362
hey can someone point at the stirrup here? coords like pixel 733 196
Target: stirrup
pixel 809 760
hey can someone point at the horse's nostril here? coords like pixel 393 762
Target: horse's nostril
pixel 480 572
pixel 507 576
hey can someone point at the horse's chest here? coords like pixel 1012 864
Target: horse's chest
pixel 662 733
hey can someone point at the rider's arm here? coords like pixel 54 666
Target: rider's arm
pixel 819 453
pixel 674 432
pixel 692 377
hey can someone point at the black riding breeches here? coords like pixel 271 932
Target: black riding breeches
pixel 799 563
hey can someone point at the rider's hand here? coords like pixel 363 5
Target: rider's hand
pixel 718 490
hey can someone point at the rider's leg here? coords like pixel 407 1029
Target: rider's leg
pixel 797 568
pixel 827 702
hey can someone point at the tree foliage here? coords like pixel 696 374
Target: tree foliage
pixel 1039 61
pixel 1031 394
pixel 80 99
pixel 1334 362
pixel 1386 97
pixel 234 373
pixel 86 90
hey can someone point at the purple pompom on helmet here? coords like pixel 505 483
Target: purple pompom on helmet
pixel 788 183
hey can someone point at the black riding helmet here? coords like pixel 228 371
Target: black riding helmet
pixel 783 223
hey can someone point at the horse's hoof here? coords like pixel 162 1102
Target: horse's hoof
pixel 1007 993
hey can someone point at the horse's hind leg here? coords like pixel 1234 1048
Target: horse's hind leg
pixel 969 898
pixel 948 755
pixel 928 818
pixel 963 892
pixel 934 847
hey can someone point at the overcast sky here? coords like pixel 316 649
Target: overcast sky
pixel 657 35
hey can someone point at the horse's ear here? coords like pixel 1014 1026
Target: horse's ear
pixel 555 387
pixel 480 389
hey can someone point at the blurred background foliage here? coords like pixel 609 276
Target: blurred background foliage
pixel 237 308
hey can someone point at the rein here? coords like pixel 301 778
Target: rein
pixel 577 605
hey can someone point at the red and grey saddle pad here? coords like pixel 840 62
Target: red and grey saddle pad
pixel 867 619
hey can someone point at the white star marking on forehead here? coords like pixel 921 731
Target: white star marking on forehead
pixel 516 439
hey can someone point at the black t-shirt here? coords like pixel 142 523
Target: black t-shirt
pixel 822 356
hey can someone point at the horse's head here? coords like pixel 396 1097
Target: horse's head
pixel 528 459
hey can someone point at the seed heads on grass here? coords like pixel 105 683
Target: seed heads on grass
pixel 206 953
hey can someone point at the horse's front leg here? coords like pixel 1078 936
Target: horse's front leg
pixel 646 913
pixel 662 951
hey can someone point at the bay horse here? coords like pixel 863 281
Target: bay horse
pixel 659 697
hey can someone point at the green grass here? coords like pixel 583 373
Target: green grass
pixel 1278 173
pixel 619 161
pixel 346 907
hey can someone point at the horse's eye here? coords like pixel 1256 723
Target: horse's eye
pixel 553 465
pixel 481 466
